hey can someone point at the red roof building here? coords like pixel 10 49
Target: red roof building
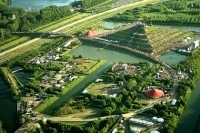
pixel 91 33
pixel 154 93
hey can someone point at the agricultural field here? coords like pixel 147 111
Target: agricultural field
pixel 150 39
pixel 13 43
pixel 133 37
pixel 164 39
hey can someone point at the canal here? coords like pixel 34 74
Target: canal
pixel 8 108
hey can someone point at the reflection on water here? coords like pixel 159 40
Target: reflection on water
pixel 172 58
pixel 38 4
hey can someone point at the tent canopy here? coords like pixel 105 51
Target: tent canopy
pixel 154 93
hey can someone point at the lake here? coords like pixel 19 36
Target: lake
pixel 38 4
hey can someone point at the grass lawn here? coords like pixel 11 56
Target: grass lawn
pixel 104 89
pixel 13 43
pixel 77 122
pixel 86 113
pixel 84 65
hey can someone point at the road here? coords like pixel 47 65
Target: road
pixel 126 116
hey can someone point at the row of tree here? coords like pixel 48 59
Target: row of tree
pixel 179 11
pixel 103 126
pixel 90 3
pixel 15 19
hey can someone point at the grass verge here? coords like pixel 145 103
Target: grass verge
pixel 72 84
pixel 100 63
pixel 46 104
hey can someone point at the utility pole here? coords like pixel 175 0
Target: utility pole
pixel 2 34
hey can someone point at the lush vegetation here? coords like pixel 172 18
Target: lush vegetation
pixel 183 93
pixel 90 3
pixel 11 81
pixel 176 12
pixel 15 19
pixel 46 104
pixel 126 100
pixel 192 65
pixel 103 126
pixel 5 1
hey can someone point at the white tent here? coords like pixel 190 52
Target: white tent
pixel 85 91
pixel 154 131
pixel 160 120
pixel 154 118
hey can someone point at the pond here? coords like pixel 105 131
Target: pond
pixel 8 108
pixel 38 4
pixel 111 25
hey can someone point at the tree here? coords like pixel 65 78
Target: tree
pixel 1 129
pixel 131 84
pixel 86 4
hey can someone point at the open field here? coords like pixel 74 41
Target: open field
pixel 62 22
pixel 84 65
pixel 104 89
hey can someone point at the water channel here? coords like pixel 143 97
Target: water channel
pixel 38 4
pixel 8 108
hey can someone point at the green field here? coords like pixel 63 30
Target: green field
pixel 104 89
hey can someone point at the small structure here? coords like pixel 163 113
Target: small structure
pixel 85 91
pixel 124 66
pixel 135 130
pixel 154 131
pixel 113 95
pixel 142 122
pixel 98 80
pixel 160 120
pixel 91 33
pixel 173 102
pixel 154 93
